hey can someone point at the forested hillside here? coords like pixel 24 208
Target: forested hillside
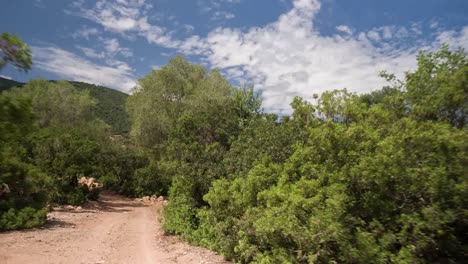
pixel 346 178
pixel 6 84
pixel 110 103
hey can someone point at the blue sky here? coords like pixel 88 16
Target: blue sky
pixel 285 48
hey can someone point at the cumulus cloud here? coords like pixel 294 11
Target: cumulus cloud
pixel 290 57
pixel 454 38
pixel 125 17
pixel 286 58
pixel 70 66
pixel 344 29
pixel 111 49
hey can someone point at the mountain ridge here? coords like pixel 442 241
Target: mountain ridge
pixel 110 103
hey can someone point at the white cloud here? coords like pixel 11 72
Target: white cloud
pixel 121 65
pixel 72 67
pixel 373 35
pixel 222 15
pixel 111 50
pixel 126 17
pixel 286 58
pixel 112 46
pixel 91 53
pixel 434 24
pixel 416 28
pixel 290 57
pixel 6 77
pixel 85 33
pixel 189 28
pixel 217 8
pixel 344 29
pixel 454 38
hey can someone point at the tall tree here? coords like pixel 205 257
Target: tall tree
pixel 438 89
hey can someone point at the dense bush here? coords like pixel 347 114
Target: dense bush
pixel 51 135
pixel 27 217
pixel 49 138
pixel 24 189
pixel 374 178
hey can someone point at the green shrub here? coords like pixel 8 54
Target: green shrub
pixel 379 178
pixel 70 194
pixel 180 214
pixel 27 217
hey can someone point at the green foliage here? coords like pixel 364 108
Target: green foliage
pixel 109 107
pixel 67 139
pixel 21 184
pixel 185 119
pixel 15 51
pixel 61 141
pixel 56 103
pixel 438 89
pixel 181 93
pixel 23 218
pixel 28 186
pixel 375 178
pixel 50 136
pixel 262 137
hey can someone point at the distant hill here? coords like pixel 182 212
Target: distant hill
pixel 110 105
pixel 6 84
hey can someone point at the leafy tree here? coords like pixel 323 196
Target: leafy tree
pixel 15 51
pixel 110 103
pixel 24 189
pixel 57 104
pixel 158 101
pixel 186 119
pixel 375 178
pixel 68 140
pixel 438 89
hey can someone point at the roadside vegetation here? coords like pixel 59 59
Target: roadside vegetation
pixel 346 178
pixel 372 178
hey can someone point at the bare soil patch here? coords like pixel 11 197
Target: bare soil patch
pixel 112 230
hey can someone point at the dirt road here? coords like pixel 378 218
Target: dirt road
pixel 113 230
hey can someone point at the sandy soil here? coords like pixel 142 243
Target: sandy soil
pixel 113 230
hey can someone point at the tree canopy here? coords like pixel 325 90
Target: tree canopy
pixel 13 50
pixel 347 178
pixel 373 178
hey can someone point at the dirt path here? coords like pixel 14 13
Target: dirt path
pixel 113 230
